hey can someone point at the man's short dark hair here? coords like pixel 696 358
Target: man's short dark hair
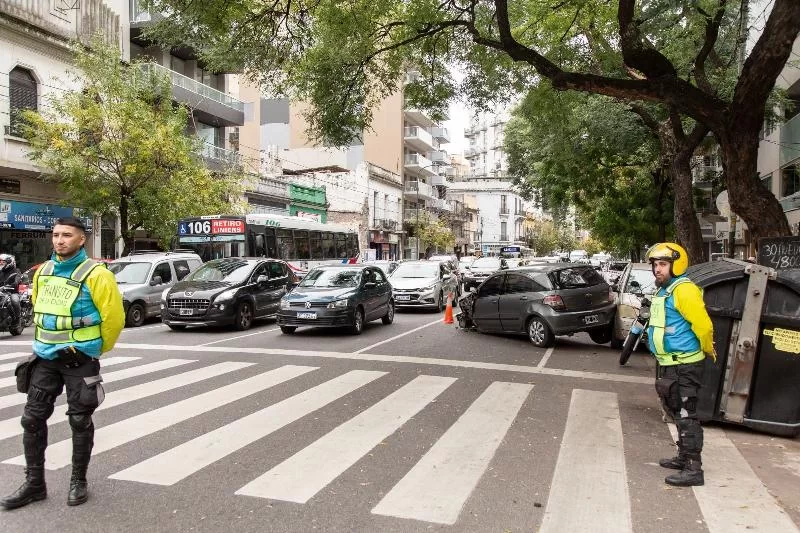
pixel 71 221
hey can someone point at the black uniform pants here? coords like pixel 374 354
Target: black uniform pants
pixel 678 387
pixel 84 395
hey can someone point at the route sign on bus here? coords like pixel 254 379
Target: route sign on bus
pixel 220 226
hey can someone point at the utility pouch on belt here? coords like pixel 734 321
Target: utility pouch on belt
pixel 72 358
pixel 667 389
pixel 24 373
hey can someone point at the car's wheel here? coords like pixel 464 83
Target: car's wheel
pixel 176 327
pixel 244 316
pixel 135 316
pixel 439 305
pixel 539 333
pixel 288 330
pixel 388 318
pixel 602 335
pixel 358 322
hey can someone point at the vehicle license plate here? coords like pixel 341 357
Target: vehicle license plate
pixel 311 316
pixel 186 312
pixel 402 297
pixel 591 319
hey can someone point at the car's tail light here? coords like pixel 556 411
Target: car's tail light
pixel 555 302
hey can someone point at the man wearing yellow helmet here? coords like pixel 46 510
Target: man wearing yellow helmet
pixel 680 335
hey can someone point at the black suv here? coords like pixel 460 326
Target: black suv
pixel 234 290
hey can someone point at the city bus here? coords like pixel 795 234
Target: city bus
pixel 303 243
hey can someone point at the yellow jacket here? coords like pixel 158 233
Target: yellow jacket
pixel 688 300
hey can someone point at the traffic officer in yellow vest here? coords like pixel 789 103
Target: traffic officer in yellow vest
pixel 78 315
pixel 681 335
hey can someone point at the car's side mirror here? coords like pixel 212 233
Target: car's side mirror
pixel 261 280
pixel 156 281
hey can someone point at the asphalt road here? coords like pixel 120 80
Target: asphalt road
pixel 415 426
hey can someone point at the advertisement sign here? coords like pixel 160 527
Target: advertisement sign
pixel 510 249
pixel 31 216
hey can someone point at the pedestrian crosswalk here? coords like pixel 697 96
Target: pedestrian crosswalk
pixel 588 488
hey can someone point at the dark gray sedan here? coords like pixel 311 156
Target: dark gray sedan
pixel 338 296
pixel 544 301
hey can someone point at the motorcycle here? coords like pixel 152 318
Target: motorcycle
pixel 638 328
pixel 7 322
pixel 464 313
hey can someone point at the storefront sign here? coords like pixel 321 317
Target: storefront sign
pixel 780 253
pixel 510 249
pixel 31 216
pixel 9 186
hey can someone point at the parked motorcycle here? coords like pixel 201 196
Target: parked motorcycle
pixel 7 322
pixel 464 313
pixel 638 328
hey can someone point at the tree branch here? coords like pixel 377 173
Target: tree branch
pixel 711 35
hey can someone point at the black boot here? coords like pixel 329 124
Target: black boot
pixel 676 463
pixel 690 476
pixel 33 489
pixel 78 486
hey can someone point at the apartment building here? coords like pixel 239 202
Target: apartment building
pixel 35 59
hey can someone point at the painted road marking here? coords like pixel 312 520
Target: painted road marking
pixel 307 472
pixel 111 361
pixel 239 337
pixel 733 498
pixel 362 350
pixel 437 487
pixel 14 355
pixel 59 454
pixel 589 491
pixel 17 399
pixel 546 356
pixel 182 461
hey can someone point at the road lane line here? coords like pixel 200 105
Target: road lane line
pixel 14 355
pixel 437 487
pixel 11 427
pixel 106 438
pixel 5 367
pixel 110 361
pixel 362 350
pixel 733 498
pixel 239 337
pixel 184 460
pixel 547 355
pixel 589 490
pixel 580 374
pixel 307 472
pixel 16 399
pixel 128 330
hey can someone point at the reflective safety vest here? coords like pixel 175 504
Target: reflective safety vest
pixel 54 298
pixel 658 321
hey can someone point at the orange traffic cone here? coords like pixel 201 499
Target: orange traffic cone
pixel 448 311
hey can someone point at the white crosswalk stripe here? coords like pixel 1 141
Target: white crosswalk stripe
pixel 11 426
pixel 172 466
pixel 14 355
pixel 110 377
pixel 306 473
pixel 435 492
pixel 110 361
pixel 59 454
pixel 589 491
pixel 445 484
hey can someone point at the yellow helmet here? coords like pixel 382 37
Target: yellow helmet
pixel 672 252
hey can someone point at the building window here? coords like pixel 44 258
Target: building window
pixel 766 181
pixel 503 234
pixel 22 95
pixel 790 180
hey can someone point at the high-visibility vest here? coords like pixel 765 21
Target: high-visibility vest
pixel 658 321
pixel 54 298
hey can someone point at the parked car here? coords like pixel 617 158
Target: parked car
pixel 231 291
pixel 338 296
pixel 482 268
pixel 142 277
pixel 464 266
pixel 636 281
pixel 423 284
pixel 543 301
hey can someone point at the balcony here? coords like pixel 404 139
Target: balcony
pixel 419 164
pixel 385 175
pixel 438 204
pixel 470 132
pixel 441 134
pixel 504 211
pixel 418 116
pixel 418 139
pixel 418 190
pixel 69 20
pixel 388 224
pixel 411 214
pixel 503 237
pixel 790 141
pixel 269 187
pixel 438 181
pixel 207 103
pixel 790 203
pixel 472 151
pixel 439 156
pixel 218 158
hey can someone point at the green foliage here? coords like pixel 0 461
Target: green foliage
pixel 432 233
pixel 118 146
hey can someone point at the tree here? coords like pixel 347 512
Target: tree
pixel 542 237
pixel 343 57
pixel 117 145
pixel 433 234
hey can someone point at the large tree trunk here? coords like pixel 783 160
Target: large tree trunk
pixel 749 199
pixel 125 232
pixel 687 227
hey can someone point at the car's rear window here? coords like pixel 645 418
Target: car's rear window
pixel 573 278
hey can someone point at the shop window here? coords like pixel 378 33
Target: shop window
pixel 22 96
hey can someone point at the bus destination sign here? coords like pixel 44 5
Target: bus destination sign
pixel 218 226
